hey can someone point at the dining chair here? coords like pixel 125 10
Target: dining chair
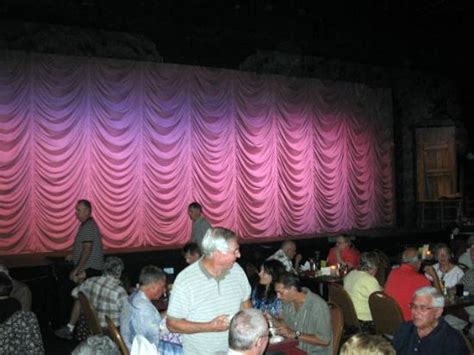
pixel 90 314
pixel 337 321
pixel 116 336
pixel 386 313
pixel 339 296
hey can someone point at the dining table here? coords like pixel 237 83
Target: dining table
pixel 319 283
pixel 288 346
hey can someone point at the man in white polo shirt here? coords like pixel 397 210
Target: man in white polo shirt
pixel 208 293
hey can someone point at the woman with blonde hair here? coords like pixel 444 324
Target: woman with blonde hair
pixel 366 344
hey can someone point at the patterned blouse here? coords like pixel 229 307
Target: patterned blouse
pixel 273 308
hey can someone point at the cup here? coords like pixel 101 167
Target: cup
pixel 459 290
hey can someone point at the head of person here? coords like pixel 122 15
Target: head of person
pixel 369 262
pixel 194 211
pixel 289 248
pixel 411 256
pixel 6 285
pixel 248 332
pixel 270 271
pixel 113 266
pixel 287 287
pixel 443 254
pixel 367 344
pixel 343 242
pixel 83 210
pixel 220 245
pixel 426 308
pixel 191 253
pixel 152 282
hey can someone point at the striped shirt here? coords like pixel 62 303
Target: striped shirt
pixel 199 297
pixel 89 232
pixel 106 295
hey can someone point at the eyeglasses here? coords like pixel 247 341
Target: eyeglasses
pixel 420 307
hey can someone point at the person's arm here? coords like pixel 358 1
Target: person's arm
pixel 287 332
pixel 246 304
pixel 218 324
pixel 85 253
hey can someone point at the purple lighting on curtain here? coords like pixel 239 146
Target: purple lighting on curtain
pixel 265 155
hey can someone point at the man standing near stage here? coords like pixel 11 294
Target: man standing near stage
pixel 200 225
pixel 87 253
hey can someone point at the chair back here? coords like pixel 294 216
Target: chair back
pixel 116 336
pixel 91 315
pixel 468 342
pixel 386 313
pixel 337 321
pixel 339 296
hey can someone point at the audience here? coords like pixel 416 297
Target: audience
pixel 467 257
pixel 248 333
pixel 207 293
pixel 428 333
pixel 286 254
pixel 191 253
pixel 8 305
pixel 367 344
pixel 306 316
pixel 20 291
pixel 264 296
pixel 200 224
pixel 343 253
pixel 139 315
pixel 360 284
pixel 403 281
pixel 448 273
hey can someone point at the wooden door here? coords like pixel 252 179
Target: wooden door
pixel 436 162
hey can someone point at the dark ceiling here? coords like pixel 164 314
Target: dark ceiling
pixel 434 34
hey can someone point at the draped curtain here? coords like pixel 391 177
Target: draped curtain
pixel 265 155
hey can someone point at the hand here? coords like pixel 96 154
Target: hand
pixel 77 277
pixel 298 259
pixel 220 323
pixel 284 331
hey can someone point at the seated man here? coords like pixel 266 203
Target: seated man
pixel 248 333
pixel 8 305
pixel 139 315
pixel 467 258
pixel 343 253
pixel 286 254
pixel 428 333
pixel 306 316
pixel 21 292
pixel 104 293
pixel 191 253
pixel 403 281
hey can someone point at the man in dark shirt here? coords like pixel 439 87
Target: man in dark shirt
pixel 428 333
pixel 8 305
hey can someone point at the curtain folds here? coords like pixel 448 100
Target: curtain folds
pixel 265 155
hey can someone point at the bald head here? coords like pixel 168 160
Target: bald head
pixel 289 248
pixel 410 256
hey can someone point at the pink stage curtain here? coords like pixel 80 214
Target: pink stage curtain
pixel 265 155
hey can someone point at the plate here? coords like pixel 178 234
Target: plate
pixel 276 339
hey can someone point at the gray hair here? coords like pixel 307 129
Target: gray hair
pixel 216 239
pixel 369 261
pixel 151 274
pixel 113 266
pixel 97 345
pixel 246 327
pixel 407 259
pixel 437 299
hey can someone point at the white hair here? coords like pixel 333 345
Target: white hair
pixel 216 239
pixel 246 327
pixel 437 299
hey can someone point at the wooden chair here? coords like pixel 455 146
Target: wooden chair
pixel 91 315
pixel 337 321
pixel 339 296
pixel 116 336
pixel 386 313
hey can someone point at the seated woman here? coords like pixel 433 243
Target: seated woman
pixel 447 271
pixel 343 253
pixel 360 284
pixel 8 305
pixel 264 296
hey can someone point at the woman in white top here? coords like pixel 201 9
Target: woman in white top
pixel 447 271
